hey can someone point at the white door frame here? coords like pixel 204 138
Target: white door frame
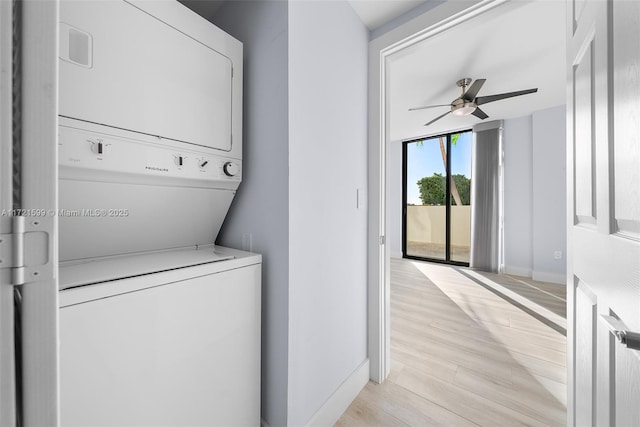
pixel 7 360
pixel 39 201
pixel 429 24
pixel 34 269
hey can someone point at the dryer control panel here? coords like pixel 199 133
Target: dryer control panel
pixel 145 155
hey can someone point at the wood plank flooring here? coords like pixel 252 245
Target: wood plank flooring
pixel 463 356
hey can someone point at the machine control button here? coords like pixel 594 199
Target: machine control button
pixel 98 147
pixel 202 163
pixel 230 169
pixel 179 160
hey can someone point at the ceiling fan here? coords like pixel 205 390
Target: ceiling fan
pixel 468 102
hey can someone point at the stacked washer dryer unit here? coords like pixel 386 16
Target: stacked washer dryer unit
pixel 158 326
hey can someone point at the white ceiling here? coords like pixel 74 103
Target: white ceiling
pixel 519 45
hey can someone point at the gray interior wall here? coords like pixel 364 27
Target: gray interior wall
pixel 549 195
pixel 327 225
pixel 535 195
pixel 518 196
pixel 304 164
pixel 259 216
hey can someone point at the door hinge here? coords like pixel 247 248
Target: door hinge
pixel 382 240
pixel 27 250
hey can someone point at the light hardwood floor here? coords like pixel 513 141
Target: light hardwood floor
pixel 462 355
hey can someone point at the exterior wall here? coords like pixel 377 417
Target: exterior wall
pixel 427 224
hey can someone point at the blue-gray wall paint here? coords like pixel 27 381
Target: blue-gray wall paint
pixel 535 195
pixel 549 194
pixel 328 47
pixel 305 157
pixel 518 195
pixel 261 206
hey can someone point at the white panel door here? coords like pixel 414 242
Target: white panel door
pixel 603 164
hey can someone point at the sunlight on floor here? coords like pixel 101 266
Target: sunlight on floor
pixel 450 281
pixel 462 355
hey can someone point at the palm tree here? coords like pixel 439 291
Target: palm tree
pixel 454 188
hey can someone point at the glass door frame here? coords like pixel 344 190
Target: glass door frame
pixel 448 178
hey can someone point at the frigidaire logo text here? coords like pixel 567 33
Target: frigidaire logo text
pixel 153 168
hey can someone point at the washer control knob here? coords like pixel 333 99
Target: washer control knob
pixel 179 160
pixel 230 169
pixel 202 163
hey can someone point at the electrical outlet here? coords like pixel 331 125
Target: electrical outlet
pixel 557 255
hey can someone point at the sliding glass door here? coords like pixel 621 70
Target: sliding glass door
pixel 436 198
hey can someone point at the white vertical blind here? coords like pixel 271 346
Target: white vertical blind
pixel 486 197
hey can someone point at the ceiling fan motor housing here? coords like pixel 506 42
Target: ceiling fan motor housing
pixel 462 107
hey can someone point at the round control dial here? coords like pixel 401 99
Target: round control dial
pixel 98 147
pixel 230 169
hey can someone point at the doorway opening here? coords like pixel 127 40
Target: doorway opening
pixel 436 202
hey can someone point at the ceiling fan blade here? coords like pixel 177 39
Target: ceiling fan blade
pixel 480 114
pixel 429 106
pixel 437 118
pixel 485 99
pixel 473 90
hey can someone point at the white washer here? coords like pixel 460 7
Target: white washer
pixel 176 347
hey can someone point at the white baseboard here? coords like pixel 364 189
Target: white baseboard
pixel 340 400
pixel 541 276
pixel 517 271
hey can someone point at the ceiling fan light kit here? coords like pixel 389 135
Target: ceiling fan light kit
pixel 468 102
pixel 460 107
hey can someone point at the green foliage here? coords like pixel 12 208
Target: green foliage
pixel 464 188
pixel 433 188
